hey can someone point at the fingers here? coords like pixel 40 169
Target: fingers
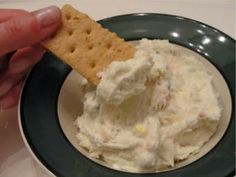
pixel 3 64
pixel 8 82
pixel 6 14
pixel 18 29
pixel 25 58
pixel 11 98
pixel 27 29
pixel 19 65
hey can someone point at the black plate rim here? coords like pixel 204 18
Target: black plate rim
pixel 169 15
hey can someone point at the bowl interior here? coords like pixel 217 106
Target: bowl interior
pixel 70 107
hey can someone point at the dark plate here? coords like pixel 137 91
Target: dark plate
pixel 38 106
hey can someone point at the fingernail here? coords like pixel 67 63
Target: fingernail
pixel 48 16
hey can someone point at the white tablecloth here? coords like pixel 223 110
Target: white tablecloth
pixel 15 160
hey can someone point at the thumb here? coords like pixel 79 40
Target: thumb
pixel 28 28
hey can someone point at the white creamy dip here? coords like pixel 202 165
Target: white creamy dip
pixel 151 111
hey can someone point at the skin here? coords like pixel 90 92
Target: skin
pixel 20 33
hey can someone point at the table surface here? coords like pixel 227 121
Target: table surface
pixel 15 160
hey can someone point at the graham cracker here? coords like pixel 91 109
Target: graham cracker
pixel 85 45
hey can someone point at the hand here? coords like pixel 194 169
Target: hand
pixel 21 33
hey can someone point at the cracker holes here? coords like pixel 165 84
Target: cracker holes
pixel 88 31
pixel 68 16
pixel 72 49
pixel 108 45
pixel 70 32
pixel 119 50
pixel 90 47
pixel 92 64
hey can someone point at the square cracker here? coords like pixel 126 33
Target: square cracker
pixel 85 45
